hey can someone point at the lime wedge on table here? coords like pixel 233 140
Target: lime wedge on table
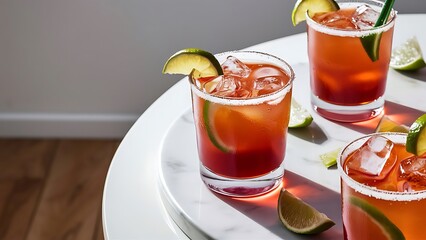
pixel 299 116
pixel 388 125
pixel 416 138
pixel 300 217
pixel 388 228
pixel 407 56
pixel 312 6
pixel 184 61
pixel 330 158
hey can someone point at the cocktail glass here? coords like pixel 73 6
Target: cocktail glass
pixel 369 212
pixel 241 141
pixel 346 84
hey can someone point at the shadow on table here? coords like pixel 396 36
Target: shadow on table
pixel 263 209
pixel 313 133
pixel 418 75
pixel 396 112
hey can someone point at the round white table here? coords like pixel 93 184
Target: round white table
pixel 153 190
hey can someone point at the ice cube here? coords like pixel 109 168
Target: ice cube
pixel 268 80
pixel 413 170
pixel 227 86
pixel 404 186
pixel 335 20
pixel 265 85
pixel 234 67
pixel 266 71
pixel 210 86
pixel 374 159
pixel 365 17
pixel 242 93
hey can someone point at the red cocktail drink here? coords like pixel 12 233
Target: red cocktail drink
pixel 383 189
pixel 241 121
pixel 347 84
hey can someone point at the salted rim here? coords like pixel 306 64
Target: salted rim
pixel 371 191
pixel 349 32
pixel 252 56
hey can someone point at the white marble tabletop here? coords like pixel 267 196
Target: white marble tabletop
pixel 153 189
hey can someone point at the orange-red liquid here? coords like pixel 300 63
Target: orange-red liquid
pixel 254 135
pixel 341 71
pixel 408 216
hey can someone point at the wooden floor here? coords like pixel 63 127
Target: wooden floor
pixel 52 189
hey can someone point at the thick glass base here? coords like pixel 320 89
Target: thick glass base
pixel 248 187
pixel 342 113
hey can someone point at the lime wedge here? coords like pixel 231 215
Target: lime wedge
pixel 299 217
pixel 371 43
pixel 197 63
pixel 299 116
pixel 416 138
pixel 390 229
pixel 407 56
pixel 312 6
pixel 184 61
pixel 388 125
pixel 215 140
pixel 330 158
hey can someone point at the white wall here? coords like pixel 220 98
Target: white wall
pixel 89 68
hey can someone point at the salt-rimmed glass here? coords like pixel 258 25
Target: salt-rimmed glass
pixel 257 167
pixel 346 84
pixel 406 210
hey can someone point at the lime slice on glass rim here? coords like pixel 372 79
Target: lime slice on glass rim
pixel 197 63
pixel 299 116
pixel 416 138
pixel 184 61
pixel 299 217
pixel 312 6
pixel 407 56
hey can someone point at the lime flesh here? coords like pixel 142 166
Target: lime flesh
pixel 390 229
pixel 330 158
pixel 388 125
pixel 299 116
pixel 407 56
pixel 215 140
pixel 300 217
pixel 186 60
pixel 312 6
pixel 416 138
